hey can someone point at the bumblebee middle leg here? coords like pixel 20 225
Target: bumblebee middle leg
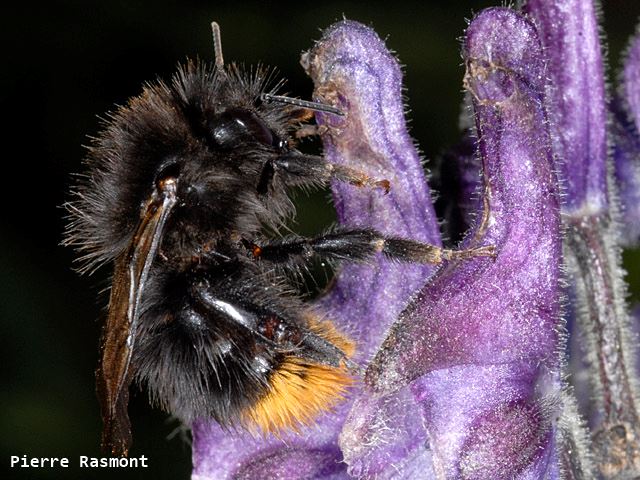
pixel 359 245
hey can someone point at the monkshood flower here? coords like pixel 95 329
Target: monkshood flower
pixel 463 363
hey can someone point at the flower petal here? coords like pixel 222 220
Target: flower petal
pixel 478 310
pixel 352 69
pixel 578 113
pixel 630 88
pixel 626 157
pixel 482 336
pixel 626 150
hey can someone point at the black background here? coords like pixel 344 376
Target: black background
pixel 65 63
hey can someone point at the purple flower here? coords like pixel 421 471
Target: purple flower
pixel 481 338
pixel 626 125
pixel 578 118
pixel 464 363
pixel 627 170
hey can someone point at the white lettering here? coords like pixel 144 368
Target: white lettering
pixel 84 461
pixel 39 462
pixel 113 462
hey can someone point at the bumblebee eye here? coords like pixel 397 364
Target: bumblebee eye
pixel 232 126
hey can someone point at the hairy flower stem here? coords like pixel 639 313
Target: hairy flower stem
pixel 574 455
pixel 593 260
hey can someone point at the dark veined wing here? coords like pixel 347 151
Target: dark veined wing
pixel 114 374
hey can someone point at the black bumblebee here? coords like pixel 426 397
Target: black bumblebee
pixel 180 188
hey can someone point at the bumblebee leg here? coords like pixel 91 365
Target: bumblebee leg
pixel 311 131
pixel 297 169
pixel 360 245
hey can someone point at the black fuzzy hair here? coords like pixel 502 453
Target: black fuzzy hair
pixel 165 123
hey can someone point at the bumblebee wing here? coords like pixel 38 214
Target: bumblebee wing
pixel 131 270
pixel 112 373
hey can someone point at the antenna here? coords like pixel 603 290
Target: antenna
pixel 217 45
pixel 317 106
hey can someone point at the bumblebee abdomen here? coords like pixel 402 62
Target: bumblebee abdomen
pixel 207 352
pixel 193 372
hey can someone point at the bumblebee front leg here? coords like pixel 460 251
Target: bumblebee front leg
pixel 311 131
pixel 298 169
pixel 359 245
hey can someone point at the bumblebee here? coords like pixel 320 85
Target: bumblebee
pixel 181 189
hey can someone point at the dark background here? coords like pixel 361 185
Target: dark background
pixel 64 63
